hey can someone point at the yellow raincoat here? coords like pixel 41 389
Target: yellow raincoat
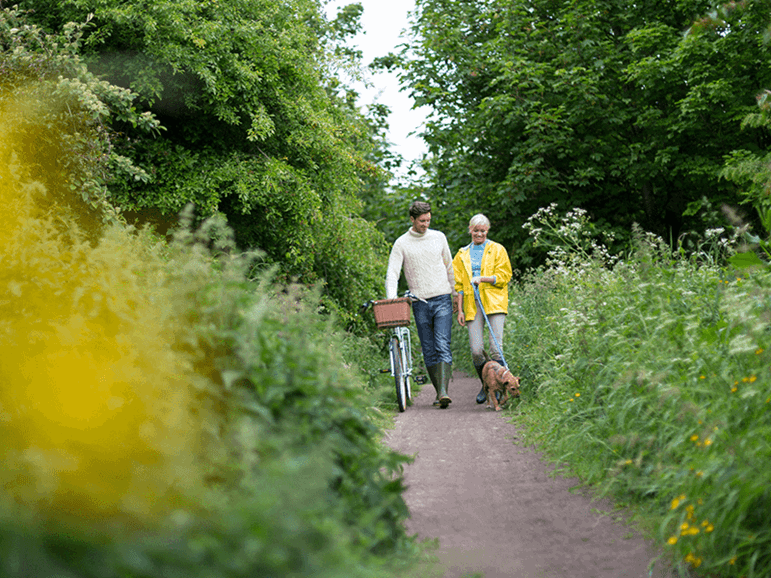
pixel 495 262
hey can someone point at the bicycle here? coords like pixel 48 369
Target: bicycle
pixel 394 314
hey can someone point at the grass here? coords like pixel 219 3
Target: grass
pixel 650 378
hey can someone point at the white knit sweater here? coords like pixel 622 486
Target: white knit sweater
pixel 427 263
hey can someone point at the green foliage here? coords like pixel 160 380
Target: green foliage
pixel 751 171
pixel 167 410
pixel 263 450
pixel 254 128
pixel 650 380
pixel 60 111
pixel 605 106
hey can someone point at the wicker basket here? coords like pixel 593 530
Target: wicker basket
pixel 392 312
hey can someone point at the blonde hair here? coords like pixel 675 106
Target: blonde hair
pixel 478 219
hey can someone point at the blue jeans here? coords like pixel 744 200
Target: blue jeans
pixel 434 322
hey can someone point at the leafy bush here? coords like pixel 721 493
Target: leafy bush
pixel 165 414
pixel 651 380
pixel 229 106
pixel 59 113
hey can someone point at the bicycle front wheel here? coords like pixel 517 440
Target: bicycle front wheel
pixel 407 357
pixel 399 377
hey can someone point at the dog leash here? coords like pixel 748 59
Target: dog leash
pixel 490 327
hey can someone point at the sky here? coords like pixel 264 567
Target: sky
pixel 382 23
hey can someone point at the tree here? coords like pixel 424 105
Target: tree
pixel 254 126
pixel 60 112
pixel 605 106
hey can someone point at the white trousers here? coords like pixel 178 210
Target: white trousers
pixel 477 329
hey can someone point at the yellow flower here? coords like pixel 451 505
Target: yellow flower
pixel 759 351
pixel 732 561
pixel 676 501
pixel 753 378
pixel 694 437
pixel 707 442
pixel 734 389
pixel 672 540
pixel 578 395
pixel 709 528
pixel 702 377
pixel 688 530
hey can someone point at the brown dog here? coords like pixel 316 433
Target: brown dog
pixel 497 378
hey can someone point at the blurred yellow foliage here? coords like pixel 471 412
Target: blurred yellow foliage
pixel 94 398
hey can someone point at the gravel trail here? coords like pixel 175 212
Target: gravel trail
pixel 493 506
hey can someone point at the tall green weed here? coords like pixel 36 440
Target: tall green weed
pixel 649 376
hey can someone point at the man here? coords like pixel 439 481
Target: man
pixel 425 256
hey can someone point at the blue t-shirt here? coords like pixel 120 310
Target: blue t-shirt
pixel 475 253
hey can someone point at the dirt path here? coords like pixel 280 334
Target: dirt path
pixel 493 506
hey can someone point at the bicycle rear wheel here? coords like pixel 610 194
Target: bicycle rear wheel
pixel 399 377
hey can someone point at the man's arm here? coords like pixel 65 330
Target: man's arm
pixel 395 261
pixel 447 259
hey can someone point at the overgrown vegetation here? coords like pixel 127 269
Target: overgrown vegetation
pixel 184 408
pixel 648 375
pixel 230 105
pixel 165 412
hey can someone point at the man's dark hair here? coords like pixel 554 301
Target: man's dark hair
pixel 418 208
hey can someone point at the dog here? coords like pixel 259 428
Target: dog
pixel 497 379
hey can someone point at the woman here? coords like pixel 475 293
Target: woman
pixel 483 264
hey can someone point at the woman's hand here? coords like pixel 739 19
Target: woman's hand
pixel 461 317
pixel 478 280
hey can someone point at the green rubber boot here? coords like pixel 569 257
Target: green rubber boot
pixel 481 396
pixel 444 374
pixel 433 374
